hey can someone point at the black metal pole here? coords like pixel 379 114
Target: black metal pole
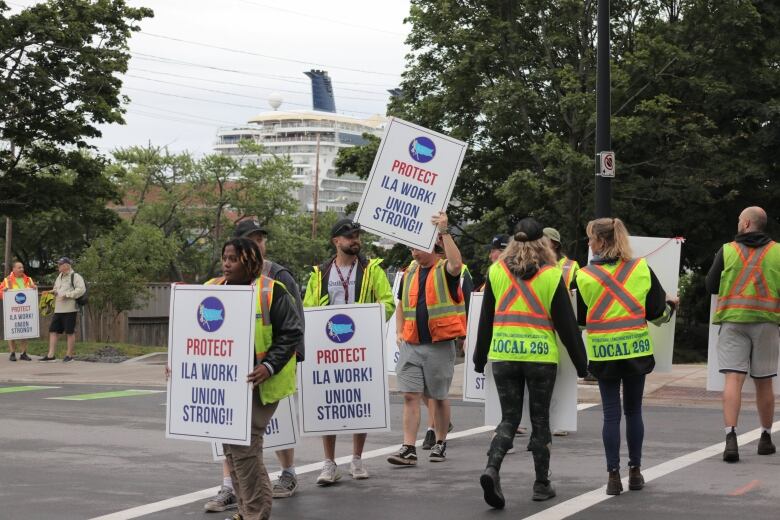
pixel 603 109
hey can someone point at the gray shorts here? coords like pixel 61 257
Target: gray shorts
pixel 426 368
pixel 749 348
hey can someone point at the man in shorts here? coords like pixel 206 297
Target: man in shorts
pixel 68 287
pixel 746 277
pixel 431 317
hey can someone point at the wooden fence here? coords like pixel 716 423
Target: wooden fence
pixel 145 326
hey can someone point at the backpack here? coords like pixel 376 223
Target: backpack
pixel 84 298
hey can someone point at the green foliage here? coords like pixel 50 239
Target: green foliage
pixel 58 59
pixel 196 202
pixel 357 160
pixel 118 265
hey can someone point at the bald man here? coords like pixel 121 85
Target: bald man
pixel 746 277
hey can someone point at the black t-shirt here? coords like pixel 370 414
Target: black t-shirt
pixel 421 310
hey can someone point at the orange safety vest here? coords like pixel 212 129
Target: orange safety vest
pixel 446 317
pixel 11 283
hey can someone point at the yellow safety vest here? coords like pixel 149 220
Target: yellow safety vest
pixel 569 268
pixel 615 295
pixel 522 325
pixel 749 284
pixel 282 383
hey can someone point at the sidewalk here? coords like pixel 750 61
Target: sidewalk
pixel 684 386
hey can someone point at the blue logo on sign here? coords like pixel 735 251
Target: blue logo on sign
pixel 340 328
pixel 422 149
pixel 211 314
pixel 20 298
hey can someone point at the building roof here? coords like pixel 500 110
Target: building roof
pixel 375 121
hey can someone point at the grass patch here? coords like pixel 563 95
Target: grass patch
pixel 41 347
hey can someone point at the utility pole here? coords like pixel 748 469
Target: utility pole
pixel 8 238
pixel 316 190
pixel 603 110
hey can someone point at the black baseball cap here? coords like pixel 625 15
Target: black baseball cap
pixel 245 228
pixel 499 242
pixel 343 228
pixel 528 230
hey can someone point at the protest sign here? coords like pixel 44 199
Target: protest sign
pixel 411 180
pixel 390 331
pixel 716 380
pixel 280 434
pixel 342 384
pixel 210 352
pixel 20 314
pixel 473 383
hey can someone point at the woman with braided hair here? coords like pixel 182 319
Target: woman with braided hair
pixel 279 329
pixel 526 302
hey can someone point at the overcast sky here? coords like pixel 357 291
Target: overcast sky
pixel 360 43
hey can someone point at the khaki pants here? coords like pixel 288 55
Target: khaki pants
pixel 251 484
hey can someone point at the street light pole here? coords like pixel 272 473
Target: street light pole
pixel 603 110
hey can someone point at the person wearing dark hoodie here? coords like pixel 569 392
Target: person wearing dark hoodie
pixel 526 302
pixel 746 277
pixel 616 296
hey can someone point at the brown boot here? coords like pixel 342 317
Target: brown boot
pixel 614 485
pixel 635 479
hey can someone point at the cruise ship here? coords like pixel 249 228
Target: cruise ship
pixel 305 135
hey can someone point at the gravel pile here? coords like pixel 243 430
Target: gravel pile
pixel 105 354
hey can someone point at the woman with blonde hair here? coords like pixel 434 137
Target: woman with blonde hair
pixel 526 302
pixel 616 296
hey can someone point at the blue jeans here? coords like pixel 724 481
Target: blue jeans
pixel 633 388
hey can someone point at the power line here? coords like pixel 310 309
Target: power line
pixel 231 93
pixel 266 56
pixel 317 17
pixel 185 114
pixel 289 79
pixel 179 96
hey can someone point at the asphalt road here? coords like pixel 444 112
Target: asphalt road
pixel 85 459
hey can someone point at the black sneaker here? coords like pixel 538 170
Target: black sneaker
pixel 491 487
pixel 765 446
pixel 12 357
pixel 438 452
pixel 543 491
pixel 635 479
pixel 731 453
pixel 430 440
pixel 48 358
pixel 67 358
pixel 406 456
pixel 25 357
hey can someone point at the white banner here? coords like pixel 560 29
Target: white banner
pixel 20 314
pixel 390 332
pixel 412 179
pixel 473 383
pixel 282 432
pixel 343 381
pixel 663 257
pixel 210 352
pixel 715 380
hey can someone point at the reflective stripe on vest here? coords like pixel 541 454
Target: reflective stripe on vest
pixel 445 315
pixel 567 265
pixel 621 333
pixel 736 301
pixel 522 325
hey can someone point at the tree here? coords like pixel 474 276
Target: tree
pixel 58 61
pixel 117 267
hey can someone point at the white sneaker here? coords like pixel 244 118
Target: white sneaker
pixel 329 475
pixel 357 470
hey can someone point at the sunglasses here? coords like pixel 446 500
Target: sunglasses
pixel 347 229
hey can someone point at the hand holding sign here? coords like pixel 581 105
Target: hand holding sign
pixel 258 375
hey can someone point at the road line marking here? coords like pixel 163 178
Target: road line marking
pixel 591 498
pixel 14 389
pixel 203 494
pixel 106 395
pixel 744 489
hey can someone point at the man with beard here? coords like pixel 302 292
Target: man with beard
pixel 347 278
